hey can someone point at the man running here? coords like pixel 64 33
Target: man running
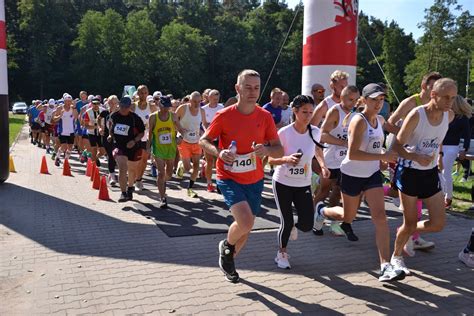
pixel 210 110
pixel 162 143
pixel 286 111
pixel 78 129
pixel 46 118
pixel 337 83
pixel 33 113
pixel 190 117
pixel 317 91
pixel 274 106
pixel 418 144
pixel 104 131
pixel 90 120
pixel 239 165
pixel 67 116
pixel 334 134
pixel 143 109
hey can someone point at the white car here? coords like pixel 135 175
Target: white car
pixel 19 108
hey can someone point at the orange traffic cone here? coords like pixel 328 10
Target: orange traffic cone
pixel 93 168
pixel 96 182
pixel 103 190
pixel 66 168
pixel 89 167
pixel 44 166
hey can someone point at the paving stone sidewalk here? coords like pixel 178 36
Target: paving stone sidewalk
pixel 62 251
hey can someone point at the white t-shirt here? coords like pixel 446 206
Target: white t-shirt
pixel 211 112
pixel 286 115
pixel 292 141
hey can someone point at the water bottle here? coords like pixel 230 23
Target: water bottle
pixel 232 149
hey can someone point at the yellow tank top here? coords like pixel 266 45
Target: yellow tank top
pixel 164 138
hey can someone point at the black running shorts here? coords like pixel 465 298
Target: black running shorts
pixel 420 183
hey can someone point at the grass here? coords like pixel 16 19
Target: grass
pixel 462 193
pixel 15 122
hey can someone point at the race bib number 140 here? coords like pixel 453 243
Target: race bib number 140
pixel 243 163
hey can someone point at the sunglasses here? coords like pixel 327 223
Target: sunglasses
pixel 319 90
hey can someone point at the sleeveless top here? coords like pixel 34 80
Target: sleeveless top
pixel 164 138
pixel 372 143
pixel 67 123
pixel 334 154
pixel 426 140
pixel 144 115
pixel 191 123
pixel 330 102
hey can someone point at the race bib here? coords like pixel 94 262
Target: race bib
pixel 297 172
pixel 192 135
pixel 340 153
pixel 375 145
pixel 165 139
pixel 243 163
pixel 121 129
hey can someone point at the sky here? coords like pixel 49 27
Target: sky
pixel 407 13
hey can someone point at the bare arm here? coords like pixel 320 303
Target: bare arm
pixel 400 113
pixel 319 113
pixel 151 124
pixel 330 123
pixel 204 122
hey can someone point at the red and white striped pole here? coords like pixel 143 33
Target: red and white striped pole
pixel 329 41
pixel 4 134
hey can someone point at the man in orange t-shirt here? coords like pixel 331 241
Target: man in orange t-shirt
pixel 239 169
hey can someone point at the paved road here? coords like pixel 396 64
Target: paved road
pixel 65 252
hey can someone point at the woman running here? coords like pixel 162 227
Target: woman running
pixel 292 177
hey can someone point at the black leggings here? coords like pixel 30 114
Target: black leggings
pixel 301 197
pixel 109 147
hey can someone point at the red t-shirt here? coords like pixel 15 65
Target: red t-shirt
pixel 229 124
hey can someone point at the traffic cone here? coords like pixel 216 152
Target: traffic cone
pixel 96 182
pixel 66 168
pixel 44 166
pixel 103 190
pixel 89 167
pixel 93 168
pixel 11 164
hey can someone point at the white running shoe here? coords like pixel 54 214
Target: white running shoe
pixel 421 244
pixel 294 233
pixel 399 264
pixel 409 247
pixel 112 179
pixel 138 186
pixel 467 258
pixel 281 260
pixel 318 218
pixel 180 170
pixel 336 229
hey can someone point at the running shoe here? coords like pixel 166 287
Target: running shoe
pixel 226 262
pixel 164 203
pixel 281 260
pixel 180 170
pixel 294 233
pixel 123 197
pixel 467 258
pixel 347 229
pixel 112 180
pixel 409 247
pixel 399 264
pixel 318 217
pixel 211 188
pixel 319 232
pixel 53 156
pixel 57 163
pixel 130 193
pixel 48 150
pixel 336 230
pixel 138 186
pixel 390 273
pixel 154 172
pixel 421 244
pixel 192 194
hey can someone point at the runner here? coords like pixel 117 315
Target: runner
pixel 286 110
pixel 104 128
pixel 334 134
pixel 33 113
pixel 338 81
pixel 239 165
pixel 467 254
pixel 67 115
pixel 90 120
pixel 292 177
pixel 418 143
pixel 79 104
pixel 126 132
pixel 162 142
pixel 210 110
pixel 395 121
pixel 274 106
pixel 190 117
pixel 360 174
pixel 143 109
pixel 45 118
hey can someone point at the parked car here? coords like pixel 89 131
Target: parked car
pixel 19 108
